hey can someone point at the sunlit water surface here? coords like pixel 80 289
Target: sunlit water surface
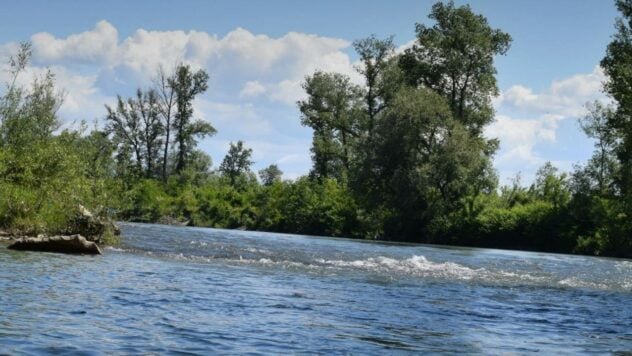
pixel 201 291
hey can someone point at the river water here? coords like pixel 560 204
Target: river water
pixel 200 291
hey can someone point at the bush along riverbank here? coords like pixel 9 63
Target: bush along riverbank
pixel 400 157
pixel 49 182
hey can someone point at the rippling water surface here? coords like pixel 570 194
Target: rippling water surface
pixel 191 290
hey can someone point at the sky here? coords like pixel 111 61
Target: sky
pixel 257 53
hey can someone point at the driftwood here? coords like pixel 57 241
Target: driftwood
pixel 76 244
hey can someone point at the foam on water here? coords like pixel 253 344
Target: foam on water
pixel 574 282
pixel 415 265
pixel 300 254
pixel 624 265
pixel 115 249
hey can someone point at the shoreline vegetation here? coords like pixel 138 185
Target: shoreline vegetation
pixel 401 157
pixel 82 235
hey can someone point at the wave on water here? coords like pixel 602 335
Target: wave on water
pixel 415 266
pixel 574 282
pixel 115 249
pixel 624 265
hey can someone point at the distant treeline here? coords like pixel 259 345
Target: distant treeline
pixel 401 157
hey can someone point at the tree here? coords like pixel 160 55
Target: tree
pixel 14 94
pixel 332 109
pixel 153 130
pixel 318 208
pixel 124 124
pixel 237 162
pixel 374 54
pixel 167 107
pixel 136 128
pixel 28 116
pixel 270 175
pixel 186 85
pixel 617 66
pixel 455 57
pixel 198 170
pixel 44 176
pixel 551 186
pixel 425 163
pixel 602 167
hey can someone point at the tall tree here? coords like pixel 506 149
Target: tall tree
pixel 123 122
pixel 14 94
pixel 602 168
pixel 617 65
pixel 455 57
pixel 153 129
pixel 333 110
pixel 374 54
pixel 167 108
pixel 186 85
pixel 425 163
pixel 136 127
pixel 237 162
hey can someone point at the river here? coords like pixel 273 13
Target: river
pixel 200 291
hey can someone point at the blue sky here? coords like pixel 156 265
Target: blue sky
pixel 257 53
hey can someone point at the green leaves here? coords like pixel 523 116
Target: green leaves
pixel 425 162
pixel 409 143
pixel 136 128
pixel 237 163
pixel 142 127
pixel 270 175
pixel 28 116
pixel 455 57
pixel 186 85
pixel 43 176
pixel 333 110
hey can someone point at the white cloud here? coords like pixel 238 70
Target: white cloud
pixel 259 61
pixel 82 99
pixel 528 120
pixel 252 89
pixel 229 117
pixel 287 92
pixel 291 158
pixel 564 97
pixel 518 137
pixel 97 45
pixel 405 46
pixel 519 96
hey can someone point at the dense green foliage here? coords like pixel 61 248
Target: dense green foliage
pixel 44 175
pixel 401 157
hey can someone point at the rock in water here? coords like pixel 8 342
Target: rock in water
pixel 62 244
